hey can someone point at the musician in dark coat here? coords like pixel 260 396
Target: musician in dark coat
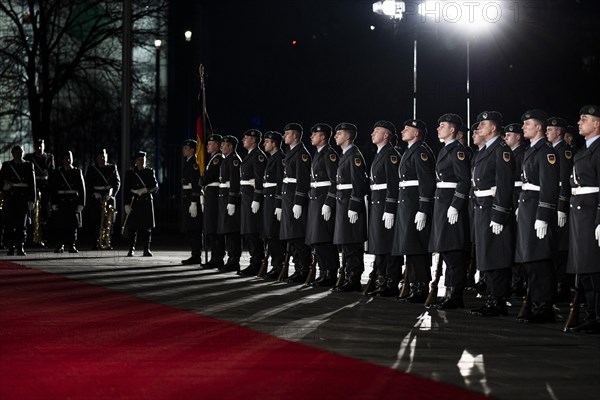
pixel 415 207
pixel 252 173
pixel 352 186
pixel 584 224
pixel 229 203
pixel 102 184
pixel 271 215
pixel 209 202
pixel 43 164
pixel 190 197
pixel 555 132
pixel 493 183
pixel 321 219
pixel 140 186
pixel 294 195
pixel 17 180
pixel 382 212
pixel 449 231
pixel 67 196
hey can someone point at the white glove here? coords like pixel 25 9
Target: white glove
pixel 277 214
pixel 496 228
pixel 420 220
pixel 562 219
pixel 202 202
pixel 230 209
pixel 541 228
pixel 352 216
pixel 388 220
pixel 517 214
pixel 127 209
pixel 326 212
pixel 142 191
pixel 97 195
pixel 193 210
pixel 452 215
pixel 297 210
pixel 255 207
pixel 30 205
pixel 54 207
pixel 79 208
pixel 598 234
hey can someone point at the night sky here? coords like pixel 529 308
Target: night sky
pixel 547 56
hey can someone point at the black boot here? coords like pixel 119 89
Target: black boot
pixel 349 285
pixel 493 308
pixel 147 239
pixel 541 313
pixel 299 275
pixel 452 300
pixel 326 279
pixel 418 293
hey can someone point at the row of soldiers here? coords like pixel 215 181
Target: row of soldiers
pixel 39 197
pixel 518 205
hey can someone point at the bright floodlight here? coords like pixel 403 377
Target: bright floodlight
pixel 157 43
pixel 391 8
pixel 188 36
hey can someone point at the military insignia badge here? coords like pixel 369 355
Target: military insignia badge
pixel 484 115
pixel 236 163
pixel 332 157
pixel 357 162
pixel 414 123
pixel 216 161
pixel 551 158
pixel 460 155
pixel 568 154
pixel 195 166
pixel 506 156
pixel 424 156
pixel 304 157
pixel 283 162
pixel 554 122
pixel 261 158
pixel 592 110
pixel 394 160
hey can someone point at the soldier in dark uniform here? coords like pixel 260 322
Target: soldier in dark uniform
pixel 321 219
pixel 17 180
pixel 571 137
pixel 67 196
pixel 493 183
pixel 513 136
pixel 555 132
pixel 294 195
pixel 209 202
pixel 102 184
pixel 271 215
pixel 191 215
pixel 352 186
pixel 140 185
pixel 537 217
pixel 43 164
pixel 252 174
pixel 584 224
pixel 415 207
pixel 229 203
pixel 382 213
pixel 450 230
pixel 477 143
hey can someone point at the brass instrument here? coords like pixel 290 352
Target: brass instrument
pixel 107 215
pixel 37 222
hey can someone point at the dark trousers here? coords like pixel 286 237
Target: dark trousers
pixel 388 266
pixel 277 251
pixel 195 238
pixel 590 284
pixel 255 249
pixel 419 268
pixel 327 256
pixel 14 237
pixel 144 234
pixel 353 260
pixel 498 282
pixel 233 246
pixel 67 237
pixel 216 244
pixel 456 269
pixel 541 281
pixel 560 268
pixel 301 253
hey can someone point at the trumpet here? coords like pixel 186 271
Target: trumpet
pixel 107 214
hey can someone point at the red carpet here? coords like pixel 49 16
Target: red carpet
pixel 64 339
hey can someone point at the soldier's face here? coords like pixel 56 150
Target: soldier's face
pixel 140 162
pixel 249 142
pixel 530 128
pixel 226 148
pixel 486 130
pixel 342 137
pixel 317 139
pixel 379 136
pixel 409 134
pixel 569 138
pixel 17 153
pixel 187 151
pixel 40 147
pixel 588 124
pixel 289 137
pixel 444 131
pixel 101 158
pixel 67 160
pixel 268 145
pixel 212 146
pixel 511 139
pixel 553 134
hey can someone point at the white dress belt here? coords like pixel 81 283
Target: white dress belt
pixel 269 185
pixel 103 187
pixel 531 187
pixel 224 185
pixel 344 186
pixel 289 180
pixel 187 186
pixel 408 183
pixel 518 183
pixel 20 184
pixel 67 191
pixel 320 184
pixel 446 185
pixel 249 182
pixel 584 190
pixel 212 184
pixel 379 186
pixel 485 193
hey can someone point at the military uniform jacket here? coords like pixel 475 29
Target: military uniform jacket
pixel 142 207
pixel 322 185
pixel 540 169
pixel 252 174
pixel 296 182
pixel 102 179
pixel 565 154
pixel 67 191
pixel 584 252
pixel 352 186
pixel 190 186
pixel 229 193
pixel 43 166
pixel 453 175
pixel 417 190
pixel 210 187
pixel 272 183
pixel 17 181
pixel 518 154
pixel 384 198
pixel 493 171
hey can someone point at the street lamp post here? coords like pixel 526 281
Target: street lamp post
pixel 157 44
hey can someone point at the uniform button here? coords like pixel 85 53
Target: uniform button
pixel 480 207
pixel 579 207
pixel 571 205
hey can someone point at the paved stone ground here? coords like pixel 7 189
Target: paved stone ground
pixel 495 356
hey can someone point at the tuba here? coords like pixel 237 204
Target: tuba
pixel 38 237
pixel 107 215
